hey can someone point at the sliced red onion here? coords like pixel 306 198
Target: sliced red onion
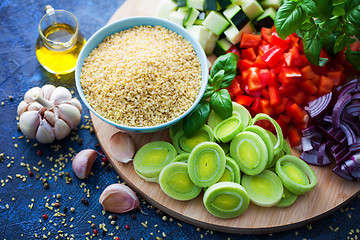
pixel 343 173
pixel 306 144
pixel 350 87
pixel 320 106
pixel 340 104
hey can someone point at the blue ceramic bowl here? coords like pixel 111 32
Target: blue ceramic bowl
pixel 127 23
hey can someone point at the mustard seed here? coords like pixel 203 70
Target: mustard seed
pixel 93 225
pixel 57 205
pixel 72 209
pixel 46 185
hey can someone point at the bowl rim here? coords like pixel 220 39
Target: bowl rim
pixel 127 23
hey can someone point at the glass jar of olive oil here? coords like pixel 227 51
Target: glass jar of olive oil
pixel 60 41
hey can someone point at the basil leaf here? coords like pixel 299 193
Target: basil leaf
pixel 352 10
pixel 289 17
pixel 332 24
pixel 196 118
pixel 228 63
pixel 221 103
pixel 353 58
pixel 340 43
pixel 328 43
pixel 351 30
pixel 209 90
pixel 323 61
pixel 218 79
pixel 307 24
pixel 312 46
pixel 338 10
pixel 318 8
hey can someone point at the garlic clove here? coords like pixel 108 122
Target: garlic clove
pixel 60 94
pixel 22 107
pixel 62 129
pixel 119 198
pixel 50 117
pixel 82 163
pixel 34 106
pixel 45 132
pixel 70 114
pixel 47 90
pixel 35 91
pixel 122 147
pixel 29 122
pixel 75 102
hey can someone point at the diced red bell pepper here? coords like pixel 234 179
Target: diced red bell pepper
pixel 289 75
pixel 266 33
pixel 294 137
pixel 250 40
pixel 248 53
pixel 299 97
pixel 282 106
pixel 285 118
pixel 234 49
pixel 303 61
pixel 234 89
pixel 325 85
pixel 292 57
pixel 274 95
pixel 297 114
pixel 256 106
pixel 282 125
pixel 244 100
pixel 253 81
pixel 308 74
pixel 263 49
pixel 265 93
pixel 309 87
pixel 319 70
pixel 265 106
pixel 265 77
pixel 287 89
pixel 244 64
pixel 272 56
pixel 337 76
pixel 259 63
pixel 276 40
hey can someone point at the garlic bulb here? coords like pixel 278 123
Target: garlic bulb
pixel 48 113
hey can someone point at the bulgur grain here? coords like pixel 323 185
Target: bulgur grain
pixel 143 76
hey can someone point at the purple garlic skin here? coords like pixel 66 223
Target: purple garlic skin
pixel 48 113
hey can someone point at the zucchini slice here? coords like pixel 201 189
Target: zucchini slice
pixel 271 3
pixel 236 16
pixel 197 4
pixel 200 33
pixel 252 9
pixel 266 138
pixel 264 189
pixel 165 8
pixel 226 199
pixel 210 5
pixel 175 182
pixel 247 149
pixel 178 16
pixel 224 3
pixel 227 129
pixel 233 34
pixel 216 22
pixel 295 174
pixel 206 164
pixel 184 144
pixel 266 19
pixel 191 17
pixel 152 157
pixel 222 46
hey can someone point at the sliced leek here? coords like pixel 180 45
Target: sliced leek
pixel 264 189
pixel 185 144
pixel 247 149
pixel 152 157
pixel 295 174
pixel 182 157
pixel 287 199
pixel 213 120
pixel 226 130
pixel 241 112
pixel 175 182
pixel 206 164
pixel 226 199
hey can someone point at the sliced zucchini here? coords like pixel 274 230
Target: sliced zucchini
pixel 233 34
pixel 211 43
pixel 265 189
pixel 252 9
pixel 206 164
pixel 175 182
pixel 227 129
pixel 210 5
pixel 191 17
pixel 238 2
pixel 222 46
pixel 200 33
pixel 266 19
pixel 178 16
pixel 197 4
pixel 236 16
pixel 226 199
pixel 216 23
pixel 181 3
pixel 271 3
pixel 224 3
pixel 165 8
pixel 247 149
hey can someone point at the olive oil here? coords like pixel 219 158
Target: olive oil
pixel 59 51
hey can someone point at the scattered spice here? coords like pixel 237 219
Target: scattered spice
pixel 65 209
pixel 58 195
pixel 93 225
pixel 46 185
pixel 133 216
pixel 127 227
pixel 31 174
pixel 57 205
pixel 95 231
pixel 72 209
pixel 45 216
pixel 40 153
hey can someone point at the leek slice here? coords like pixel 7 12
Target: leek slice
pixel 152 157
pixel 146 178
pixel 206 164
pixel 185 144
pixel 280 139
pixel 226 130
pixel 266 138
pixel 247 149
pixel 182 157
pixel 295 174
pixel 286 150
pixel 241 112
pixel 174 129
pixel 226 199
pixel 175 182
pixel 213 120
pixel 287 199
pixel 264 189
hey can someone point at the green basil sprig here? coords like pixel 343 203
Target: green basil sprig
pixel 216 97
pixel 328 24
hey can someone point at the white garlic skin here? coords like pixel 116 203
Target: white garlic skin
pixel 83 162
pixel 49 113
pixel 122 147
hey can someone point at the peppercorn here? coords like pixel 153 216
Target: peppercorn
pixel 114 217
pixel 46 185
pixel 61 174
pixel 104 159
pixel 133 216
pixel 97 145
pixel 103 164
pixel 67 174
pixel 95 231
pixel 107 168
pixel 127 227
pixel 93 225
pixel 65 209
pixel 117 238
pixel 45 216
pixel 44 180
pixel 57 205
pixel 104 233
pixel 80 141
pixel 84 201
pixel 11 98
pixel 58 195
pixel 39 153
pixel 110 217
pixel 31 174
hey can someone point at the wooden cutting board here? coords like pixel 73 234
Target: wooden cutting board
pixel 330 193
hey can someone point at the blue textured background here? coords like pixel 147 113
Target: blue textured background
pixel 19 71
